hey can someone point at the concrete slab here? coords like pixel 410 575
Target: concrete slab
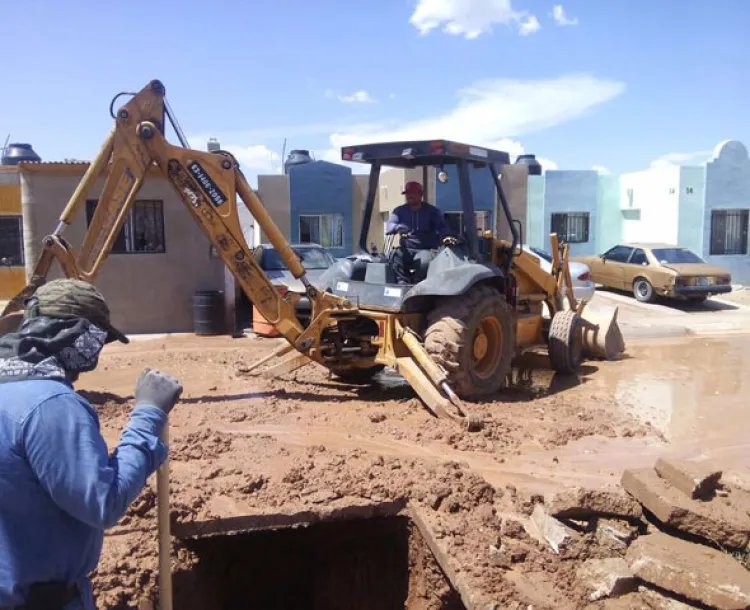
pixel 605 578
pixel 560 537
pixel 581 503
pixel 694 571
pixel 693 478
pixel 718 521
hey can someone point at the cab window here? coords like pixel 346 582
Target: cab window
pixel 618 254
pixel 639 258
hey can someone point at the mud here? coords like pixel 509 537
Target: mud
pixel 241 444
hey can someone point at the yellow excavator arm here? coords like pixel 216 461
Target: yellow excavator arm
pixel 209 184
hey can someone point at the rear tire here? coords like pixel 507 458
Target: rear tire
pixel 473 338
pixel 643 291
pixel 357 376
pixel 565 342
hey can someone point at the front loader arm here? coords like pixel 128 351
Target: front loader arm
pixel 209 185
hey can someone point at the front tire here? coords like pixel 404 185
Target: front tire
pixel 565 342
pixel 643 291
pixel 473 338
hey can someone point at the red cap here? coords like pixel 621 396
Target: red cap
pixel 412 187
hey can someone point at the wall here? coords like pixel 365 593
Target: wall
pixel 727 188
pixel 448 194
pixel 514 181
pixel 692 196
pixel 573 191
pixel 654 213
pixel 273 191
pixel 609 226
pixel 321 187
pixel 146 293
pixel 12 277
pixel 535 236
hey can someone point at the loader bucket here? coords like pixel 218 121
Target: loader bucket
pixel 602 337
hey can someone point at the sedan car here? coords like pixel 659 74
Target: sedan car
pixel 665 270
pixel 583 287
pixel 314 258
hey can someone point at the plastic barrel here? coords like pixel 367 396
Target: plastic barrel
pixel 208 312
pixel 263 327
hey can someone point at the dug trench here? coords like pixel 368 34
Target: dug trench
pixel 379 563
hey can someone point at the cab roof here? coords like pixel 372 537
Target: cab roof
pixel 417 153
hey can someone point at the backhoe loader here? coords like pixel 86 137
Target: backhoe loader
pixel 452 334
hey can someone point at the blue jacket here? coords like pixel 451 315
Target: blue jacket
pixel 427 223
pixel 60 488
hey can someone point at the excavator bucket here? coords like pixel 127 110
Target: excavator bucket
pixel 602 337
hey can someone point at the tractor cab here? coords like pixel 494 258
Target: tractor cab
pixel 450 269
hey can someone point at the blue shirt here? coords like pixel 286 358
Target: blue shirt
pixel 59 488
pixel 427 223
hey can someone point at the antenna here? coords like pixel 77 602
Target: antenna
pixel 5 146
pixel 283 151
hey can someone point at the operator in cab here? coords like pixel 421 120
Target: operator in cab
pixel 423 227
pixel 60 486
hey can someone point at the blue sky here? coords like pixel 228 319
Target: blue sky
pixel 616 84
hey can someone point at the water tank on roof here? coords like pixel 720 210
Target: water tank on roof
pixel 297 157
pixel 213 145
pixel 19 153
pixel 535 168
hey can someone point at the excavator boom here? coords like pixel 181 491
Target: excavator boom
pixel 209 184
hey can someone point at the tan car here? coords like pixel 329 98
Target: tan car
pixel 649 270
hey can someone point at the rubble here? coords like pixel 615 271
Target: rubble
pixel 657 601
pixel 580 503
pixel 606 577
pixel 694 571
pixel 615 534
pixel 717 521
pixel 560 537
pixel 693 478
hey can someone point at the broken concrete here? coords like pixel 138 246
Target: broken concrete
pixel 717 521
pixel 581 503
pixel 560 537
pixel 606 577
pixel 693 478
pixel 615 534
pixel 694 571
pixel 508 554
pixel 657 601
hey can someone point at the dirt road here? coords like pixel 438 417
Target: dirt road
pixel 244 446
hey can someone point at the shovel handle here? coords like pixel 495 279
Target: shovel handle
pixel 165 548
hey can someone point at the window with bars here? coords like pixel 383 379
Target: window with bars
pixel 11 241
pixel 326 230
pixel 571 227
pixel 729 231
pixel 143 230
pixel 455 222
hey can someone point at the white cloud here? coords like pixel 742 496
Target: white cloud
pixel 491 110
pixel 602 170
pixel 561 19
pixel 470 18
pixel 530 26
pixel 392 96
pixel 358 97
pixel 699 157
pixel 258 157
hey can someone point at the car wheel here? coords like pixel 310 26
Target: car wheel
pixel 643 290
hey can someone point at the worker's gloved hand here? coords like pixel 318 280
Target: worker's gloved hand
pixel 157 389
pixel 405 231
pixel 450 241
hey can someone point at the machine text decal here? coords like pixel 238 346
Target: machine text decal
pixel 343 286
pixel 207 184
pixel 392 292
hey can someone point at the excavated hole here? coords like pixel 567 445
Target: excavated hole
pixel 369 564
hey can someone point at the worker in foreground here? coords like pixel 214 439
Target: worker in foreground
pixel 423 226
pixel 60 488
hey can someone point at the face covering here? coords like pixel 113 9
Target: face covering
pixel 50 348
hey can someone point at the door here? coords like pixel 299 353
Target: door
pixel 611 272
pixel 634 268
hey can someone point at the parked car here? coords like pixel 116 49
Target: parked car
pixel 665 270
pixel 583 287
pixel 315 259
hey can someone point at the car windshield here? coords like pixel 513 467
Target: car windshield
pixel 675 256
pixel 542 254
pixel 312 258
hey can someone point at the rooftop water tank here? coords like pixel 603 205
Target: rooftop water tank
pixel 297 157
pixel 19 153
pixel 535 168
pixel 213 145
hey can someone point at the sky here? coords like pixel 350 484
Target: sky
pixel 613 85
